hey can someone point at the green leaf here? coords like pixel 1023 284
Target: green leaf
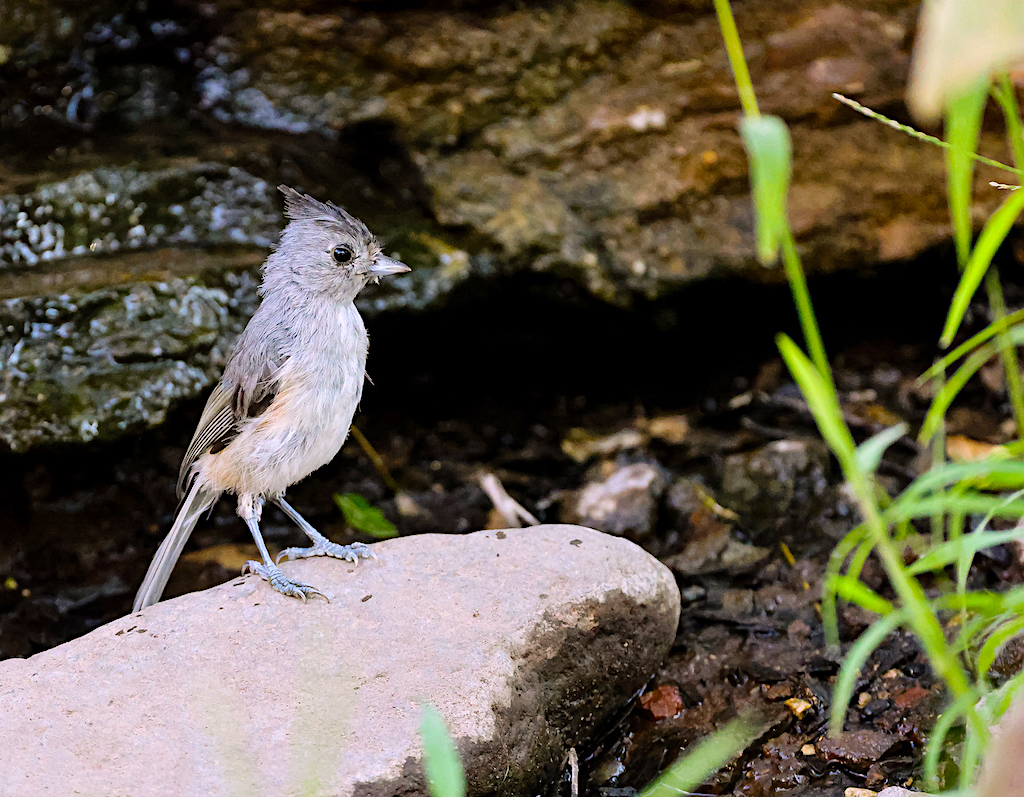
pixel 858 653
pixel 992 236
pixel 769 150
pixel 445 777
pixel 963 127
pixel 705 757
pixel 821 398
pixel 869 453
pixel 362 516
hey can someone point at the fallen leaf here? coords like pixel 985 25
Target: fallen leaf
pixel 581 444
pixel 964 449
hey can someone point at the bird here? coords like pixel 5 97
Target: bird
pixel 289 390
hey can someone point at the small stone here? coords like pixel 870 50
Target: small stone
pixel 625 503
pixel 798 706
pixel 808 749
pixel 766 483
pixel 662 702
pixel 857 749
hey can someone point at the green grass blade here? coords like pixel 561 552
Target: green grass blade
pixel 963 127
pixel 869 453
pixel 734 49
pixel 703 759
pixel 944 555
pixel 972 343
pixel 821 398
pixel 995 641
pixel 992 236
pixel 859 652
pixel 933 749
pixel 445 777
pixel 856 591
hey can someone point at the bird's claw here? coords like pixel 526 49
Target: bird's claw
pixel 350 553
pixel 279 582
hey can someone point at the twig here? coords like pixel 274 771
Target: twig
pixel 511 510
pixel 375 458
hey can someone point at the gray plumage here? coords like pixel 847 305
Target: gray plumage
pixel 285 403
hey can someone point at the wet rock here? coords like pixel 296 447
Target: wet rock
pixel 109 209
pixel 96 364
pixel 765 484
pixel 625 502
pixel 526 641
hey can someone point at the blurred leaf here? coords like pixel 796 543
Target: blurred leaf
pixel 960 42
pixel 963 449
pixel 445 777
pixel 963 127
pixel 362 516
pixel 859 652
pixel 869 453
pixel 992 236
pixel 704 758
pixel 769 151
pixel 821 399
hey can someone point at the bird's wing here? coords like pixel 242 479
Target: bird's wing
pixel 232 402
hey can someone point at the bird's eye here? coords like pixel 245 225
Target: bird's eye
pixel 342 254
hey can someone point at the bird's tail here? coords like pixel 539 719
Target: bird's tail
pixel 197 501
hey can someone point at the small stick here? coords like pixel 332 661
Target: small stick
pixel 375 458
pixel 511 510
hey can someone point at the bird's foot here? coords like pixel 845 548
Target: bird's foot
pixel 281 583
pixel 324 547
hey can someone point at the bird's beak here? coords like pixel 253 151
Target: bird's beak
pixel 385 266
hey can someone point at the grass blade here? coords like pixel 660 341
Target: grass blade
pixel 706 757
pixel 992 236
pixel 445 777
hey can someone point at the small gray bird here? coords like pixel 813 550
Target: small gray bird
pixel 286 400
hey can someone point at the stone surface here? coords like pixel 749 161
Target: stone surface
pixel 765 483
pixel 624 502
pixel 526 640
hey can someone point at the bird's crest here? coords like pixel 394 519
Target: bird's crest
pixel 302 207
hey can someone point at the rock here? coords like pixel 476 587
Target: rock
pixel 897 791
pixel 96 364
pixel 108 209
pixel 94 347
pixel 624 502
pixel 857 749
pixel 764 484
pixel 527 641
pixel 594 138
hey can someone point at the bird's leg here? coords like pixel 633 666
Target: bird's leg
pixel 321 545
pixel 250 509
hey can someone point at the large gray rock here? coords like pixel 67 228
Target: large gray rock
pixel 526 640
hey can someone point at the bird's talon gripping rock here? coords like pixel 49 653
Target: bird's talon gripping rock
pixel 279 582
pixel 349 553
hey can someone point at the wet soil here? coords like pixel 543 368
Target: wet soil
pixel 496 385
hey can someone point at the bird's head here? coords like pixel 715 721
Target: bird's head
pixel 325 249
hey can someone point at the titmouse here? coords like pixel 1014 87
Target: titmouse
pixel 289 391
